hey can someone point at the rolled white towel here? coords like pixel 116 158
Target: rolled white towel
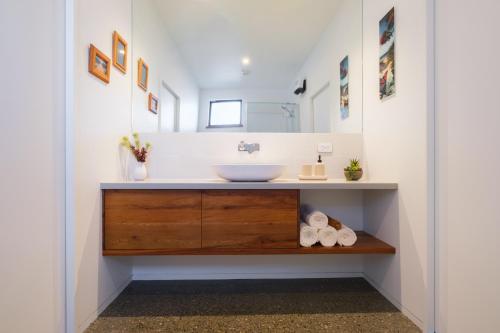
pixel 346 236
pixel 313 218
pixel 308 235
pixel 328 236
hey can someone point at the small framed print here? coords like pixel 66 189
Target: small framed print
pixel 153 104
pixel 142 77
pixel 119 52
pixel 99 64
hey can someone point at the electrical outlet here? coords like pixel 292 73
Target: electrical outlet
pixel 325 147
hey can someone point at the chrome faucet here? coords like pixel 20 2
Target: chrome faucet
pixel 249 147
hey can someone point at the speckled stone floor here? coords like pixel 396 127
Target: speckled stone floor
pixel 311 305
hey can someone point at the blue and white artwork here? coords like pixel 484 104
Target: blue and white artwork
pixel 344 88
pixel 387 36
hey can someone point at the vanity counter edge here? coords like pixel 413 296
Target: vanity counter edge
pixel 219 184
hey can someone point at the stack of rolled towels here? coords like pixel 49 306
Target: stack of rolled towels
pixel 318 227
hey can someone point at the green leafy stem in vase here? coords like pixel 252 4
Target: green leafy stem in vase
pixel 140 152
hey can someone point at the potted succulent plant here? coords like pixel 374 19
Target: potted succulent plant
pixel 353 171
pixel 140 153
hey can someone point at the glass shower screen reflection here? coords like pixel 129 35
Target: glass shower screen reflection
pixel 273 117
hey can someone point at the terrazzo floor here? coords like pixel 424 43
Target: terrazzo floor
pixel 310 305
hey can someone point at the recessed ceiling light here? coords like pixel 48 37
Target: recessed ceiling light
pixel 245 61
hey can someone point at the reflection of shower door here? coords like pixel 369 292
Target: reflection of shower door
pixel 321 110
pixel 272 118
pixel 169 110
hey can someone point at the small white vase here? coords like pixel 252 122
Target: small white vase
pixel 140 171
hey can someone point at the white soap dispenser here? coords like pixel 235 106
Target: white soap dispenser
pixel 319 168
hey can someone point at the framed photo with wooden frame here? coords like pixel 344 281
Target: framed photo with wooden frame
pixel 119 52
pixel 153 104
pixel 142 77
pixel 99 64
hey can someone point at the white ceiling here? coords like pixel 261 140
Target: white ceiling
pixel 277 35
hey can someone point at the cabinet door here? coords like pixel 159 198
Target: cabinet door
pixel 152 219
pixel 250 219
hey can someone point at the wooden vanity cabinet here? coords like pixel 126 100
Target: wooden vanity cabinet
pixel 207 222
pixel 199 221
pixel 151 219
pixel 253 219
pixel 192 221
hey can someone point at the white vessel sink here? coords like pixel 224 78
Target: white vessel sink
pixel 249 172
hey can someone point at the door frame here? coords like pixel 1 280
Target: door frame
pixel 322 89
pixel 434 256
pixel 69 225
pixel 177 108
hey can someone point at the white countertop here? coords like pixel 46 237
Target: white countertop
pixel 220 184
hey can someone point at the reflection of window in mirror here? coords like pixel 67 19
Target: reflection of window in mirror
pixel 225 113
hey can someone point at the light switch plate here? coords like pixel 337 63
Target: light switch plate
pixel 325 147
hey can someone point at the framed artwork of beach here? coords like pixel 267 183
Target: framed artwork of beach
pixel 344 88
pixel 387 61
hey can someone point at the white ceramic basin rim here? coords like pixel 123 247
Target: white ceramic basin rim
pixel 249 172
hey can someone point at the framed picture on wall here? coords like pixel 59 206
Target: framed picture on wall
pixel 119 52
pixel 387 61
pixel 344 88
pixel 142 76
pixel 153 104
pixel 99 64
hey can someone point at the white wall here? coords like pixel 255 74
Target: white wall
pixel 246 95
pixel 249 267
pixel 396 146
pixel 468 213
pixel 192 155
pixel 342 37
pixel 153 44
pixel 101 117
pixel 181 156
pixel 32 166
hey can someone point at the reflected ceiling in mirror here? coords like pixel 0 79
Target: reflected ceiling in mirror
pixel 248 66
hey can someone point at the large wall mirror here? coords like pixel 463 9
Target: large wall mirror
pixel 247 66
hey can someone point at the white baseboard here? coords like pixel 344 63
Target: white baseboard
pixel 93 316
pixel 241 276
pixel 417 321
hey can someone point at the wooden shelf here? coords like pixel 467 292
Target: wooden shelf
pixel 366 244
